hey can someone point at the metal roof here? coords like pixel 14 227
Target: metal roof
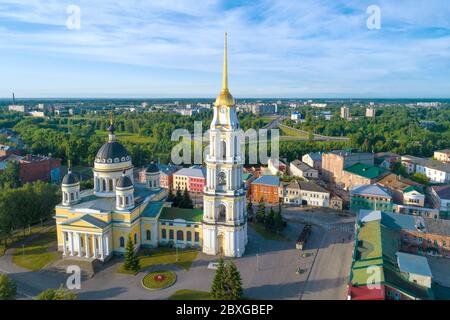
pixel 415 264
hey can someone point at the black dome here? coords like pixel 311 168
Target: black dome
pixel 112 151
pixel 70 178
pixel 124 182
pixel 152 168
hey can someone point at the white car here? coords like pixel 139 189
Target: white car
pixel 213 265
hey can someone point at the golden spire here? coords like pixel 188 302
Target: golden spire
pixel 110 118
pixel 225 66
pixel 225 98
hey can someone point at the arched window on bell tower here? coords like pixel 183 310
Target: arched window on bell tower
pixel 222 213
pixel 223 149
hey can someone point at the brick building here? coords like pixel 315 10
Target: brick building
pixel 193 179
pixel 334 163
pixel 33 168
pixel 266 188
pixel 359 174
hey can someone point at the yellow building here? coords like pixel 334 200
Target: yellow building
pixel 95 224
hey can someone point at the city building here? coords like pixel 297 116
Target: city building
pixel 224 199
pixel 193 179
pixel 334 163
pixel 345 113
pixel 290 192
pixel 313 159
pixel 436 171
pixel 265 188
pixel 336 202
pixel 370 197
pixel 440 196
pixel 359 174
pixel 314 195
pixel 166 175
pixel 296 116
pixel 33 167
pixel 370 112
pixel 276 166
pixel 301 169
pixel 442 155
pixel 387 160
pixel 397 186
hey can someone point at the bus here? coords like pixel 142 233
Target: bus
pixel 303 237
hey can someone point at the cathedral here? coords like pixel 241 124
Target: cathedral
pixel 96 224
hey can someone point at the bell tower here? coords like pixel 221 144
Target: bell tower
pixel 224 217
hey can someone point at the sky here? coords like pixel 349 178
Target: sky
pixel 174 48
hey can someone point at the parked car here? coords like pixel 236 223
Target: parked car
pixel 213 265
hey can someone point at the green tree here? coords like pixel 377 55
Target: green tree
pixel 131 262
pixel 170 196
pixel 8 288
pixel 249 208
pixel 269 222
pixel 57 294
pixel 278 221
pixel 178 198
pixel 261 213
pixel 233 282
pixel 218 290
pixel 10 177
pixel 186 201
pixel 420 178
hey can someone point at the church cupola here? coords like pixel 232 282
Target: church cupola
pixel 152 176
pixel 124 193
pixel 70 188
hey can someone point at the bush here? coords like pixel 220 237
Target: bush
pixel 8 288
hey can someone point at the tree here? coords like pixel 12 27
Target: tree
pixel 218 284
pixel 269 222
pixel 420 178
pixel 8 288
pixel 249 208
pixel 261 213
pixel 186 201
pixel 278 221
pixel 177 199
pixel 170 196
pixel 233 282
pixel 57 294
pixel 131 262
pixel 10 177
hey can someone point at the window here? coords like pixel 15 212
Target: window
pixel 164 234
pixel 180 236
pixel 189 236
pixel 135 238
pixel 171 234
pixel 197 237
pixel 71 196
pixel 149 235
pixel 122 242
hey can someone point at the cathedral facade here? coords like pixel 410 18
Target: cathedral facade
pixel 96 224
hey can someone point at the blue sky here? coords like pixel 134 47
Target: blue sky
pixel 173 48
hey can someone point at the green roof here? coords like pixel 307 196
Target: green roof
pixel 152 209
pixel 414 188
pixel 194 215
pixel 366 171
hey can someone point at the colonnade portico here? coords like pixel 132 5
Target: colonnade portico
pixel 86 245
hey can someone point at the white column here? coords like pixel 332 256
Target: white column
pixel 107 245
pixel 72 250
pixel 100 238
pixel 94 246
pixel 86 241
pixel 79 244
pixel 64 243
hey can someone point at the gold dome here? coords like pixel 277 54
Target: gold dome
pixel 225 98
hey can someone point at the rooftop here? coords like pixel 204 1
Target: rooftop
pixel 194 215
pixel 415 264
pixel 366 171
pixel 311 186
pixel 429 163
pixel 195 172
pixel 268 180
pixel 152 209
pixel 370 190
pixel 442 191
pixel 395 182
pixel 301 165
pixel 315 156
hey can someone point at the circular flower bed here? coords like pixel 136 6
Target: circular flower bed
pixel 159 280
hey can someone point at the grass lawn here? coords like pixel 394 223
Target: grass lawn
pixel 127 137
pixel 268 235
pixel 36 254
pixel 164 256
pixel 291 132
pixel 187 294
pixel 18 235
pixel 159 279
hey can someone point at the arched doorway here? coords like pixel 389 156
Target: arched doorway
pixel 220 244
